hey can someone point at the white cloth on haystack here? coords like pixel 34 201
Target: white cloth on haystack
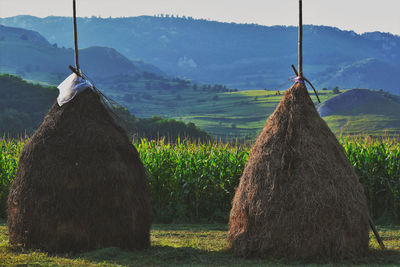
pixel 71 87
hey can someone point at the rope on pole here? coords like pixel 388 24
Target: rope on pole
pixel 77 68
pixel 305 79
pixel 312 86
pixel 300 39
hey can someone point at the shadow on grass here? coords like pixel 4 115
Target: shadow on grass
pixel 380 257
pixel 159 255
pixel 375 257
pixel 187 256
pixel 190 227
pixel 171 256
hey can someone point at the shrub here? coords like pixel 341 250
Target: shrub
pixel 335 90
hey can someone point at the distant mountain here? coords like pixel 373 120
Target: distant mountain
pixel 146 67
pixel 133 83
pixel 12 34
pixel 244 56
pixel 362 111
pixel 27 54
pixel 367 73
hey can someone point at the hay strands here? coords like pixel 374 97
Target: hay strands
pixel 96 195
pixel 301 77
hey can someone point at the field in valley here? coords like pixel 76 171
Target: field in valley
pixel 235 114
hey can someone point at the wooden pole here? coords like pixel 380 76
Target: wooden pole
pixel 300 39
pixel 378 237
pixel 76 39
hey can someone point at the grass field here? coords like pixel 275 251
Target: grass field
pixel 239 114
pixel 242 114
pixel 364 124
pixel 224 113
pixel 186 245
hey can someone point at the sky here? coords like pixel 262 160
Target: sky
pixel 357 15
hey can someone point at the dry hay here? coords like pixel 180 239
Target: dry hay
pixel 299 196
pixel 80 183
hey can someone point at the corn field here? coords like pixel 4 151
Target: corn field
pixel 377 164
pixel 9 154
pixel 192 182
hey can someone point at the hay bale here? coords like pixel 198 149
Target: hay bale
pixel 80 183
pixel 299 196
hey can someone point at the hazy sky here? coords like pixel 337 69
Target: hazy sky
pixel 357 15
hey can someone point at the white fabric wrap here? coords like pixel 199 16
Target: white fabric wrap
pixel 71 87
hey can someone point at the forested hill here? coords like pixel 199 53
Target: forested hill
pixel 23 105
pixel 241 56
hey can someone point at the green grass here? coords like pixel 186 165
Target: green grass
pixel 243 114
pixel 185 245
pixel 376 125
pixel 233 115
pixel 226 115
pixel 249 110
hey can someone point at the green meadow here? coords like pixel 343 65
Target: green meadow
pixel 226 115
pixel 230 114
pixel 187 245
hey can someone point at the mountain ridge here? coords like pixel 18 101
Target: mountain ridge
pixel 244 56
pixel 28 54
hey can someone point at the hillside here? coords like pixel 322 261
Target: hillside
pixel 362 111
pixel 145 91
pixel 223 113
pixel 137 85
pixel 23 106
pixel 29 55
pixel 366 73
pixel 244 56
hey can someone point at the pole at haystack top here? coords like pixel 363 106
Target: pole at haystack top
pixel 76 39
pixel 300 77
pixel 300 38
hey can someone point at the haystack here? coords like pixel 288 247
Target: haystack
pixel 299 196
pixel 80 183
